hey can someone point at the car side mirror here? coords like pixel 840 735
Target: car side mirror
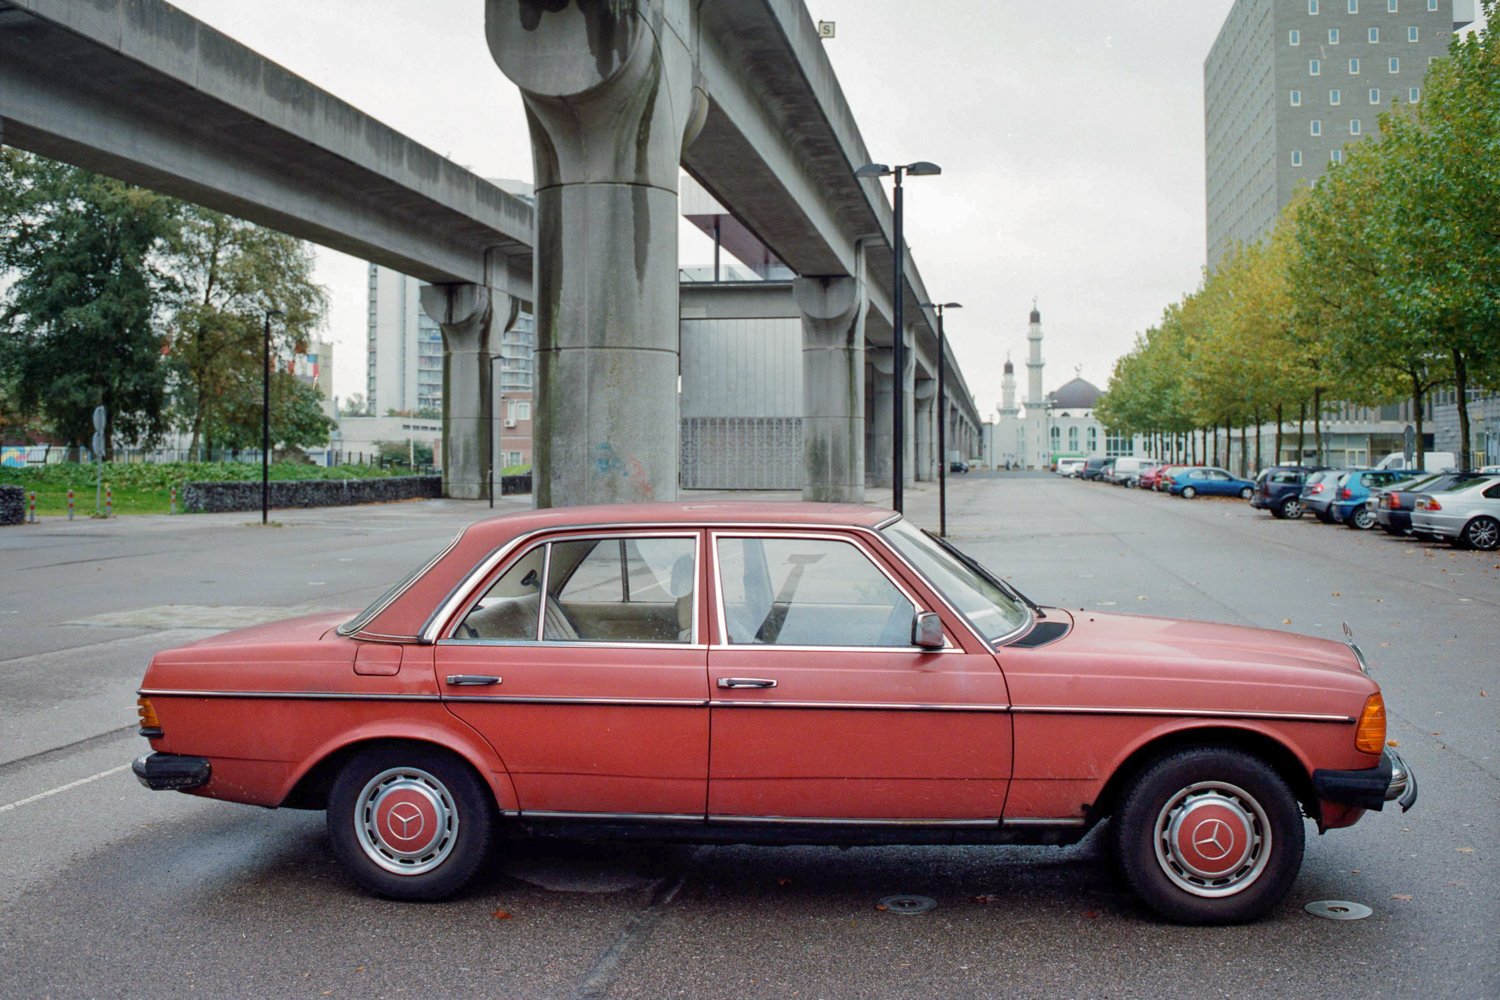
pixel 927 630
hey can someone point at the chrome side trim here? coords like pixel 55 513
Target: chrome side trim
pixel 1031 821
pixel 770 647
pixel 286 695
pixel 544 700
pixel 849 821
pixel 861 706
pixel 612 817
pixel 1183 712
pixel 569 644
pixel 888 522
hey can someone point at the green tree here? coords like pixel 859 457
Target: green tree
pixel 229 275
pixel 76 325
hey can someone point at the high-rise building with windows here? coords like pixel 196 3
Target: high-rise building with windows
pixel 1288 83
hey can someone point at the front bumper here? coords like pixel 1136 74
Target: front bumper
pixel 170 771
pixel 1371 788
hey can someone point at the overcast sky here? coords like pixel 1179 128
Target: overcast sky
pixel 1070 137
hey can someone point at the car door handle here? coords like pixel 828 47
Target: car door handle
pixel 472 680
pixel 746 682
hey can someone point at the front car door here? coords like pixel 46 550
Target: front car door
pixel 823 709
pixel 583 663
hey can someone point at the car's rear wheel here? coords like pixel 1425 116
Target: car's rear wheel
pixel 1482 533
pixel 1246 493
pixel 1188 493
pixel 410 822
pixel 1209 836
pixel 1290 509
pixel 1363 519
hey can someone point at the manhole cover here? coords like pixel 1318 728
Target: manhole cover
pixel 907 905
pixel 1338 909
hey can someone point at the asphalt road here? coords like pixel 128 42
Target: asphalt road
pixel 114 891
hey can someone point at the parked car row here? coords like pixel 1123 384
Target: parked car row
pixel 1186 481
pixel 1462 508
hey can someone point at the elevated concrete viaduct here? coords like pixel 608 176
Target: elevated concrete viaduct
pixel 741 94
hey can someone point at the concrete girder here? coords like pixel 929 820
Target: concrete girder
pixel 833 388
pixel 145 93
pixel 610 98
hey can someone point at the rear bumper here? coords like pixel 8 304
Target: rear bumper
pixel 169 771
pixel 1370 788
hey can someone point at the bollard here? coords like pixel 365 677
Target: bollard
pixel 109 502
pixel 70 505
pixel 172 507
pixel 33 506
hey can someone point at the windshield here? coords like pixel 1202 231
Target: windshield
pixel 986 605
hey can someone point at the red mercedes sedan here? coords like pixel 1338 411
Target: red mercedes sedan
pixel 772 673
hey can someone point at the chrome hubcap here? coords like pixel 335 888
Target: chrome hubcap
pixel 1212 839
pixel 406 821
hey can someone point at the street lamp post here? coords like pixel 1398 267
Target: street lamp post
pixel 265 419
pixel 499 443
pixel 921 168
pixel 942 409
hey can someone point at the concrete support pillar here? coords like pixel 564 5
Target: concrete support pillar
pixel 465 313
pixel 909 397
pixel 925 431
pixel 833 388
pixel 878 458
pixel 610 101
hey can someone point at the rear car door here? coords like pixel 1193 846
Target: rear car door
pixel 823 709
pixel 583 663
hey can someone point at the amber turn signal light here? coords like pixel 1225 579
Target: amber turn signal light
pixel 1369 735
pixel 148 714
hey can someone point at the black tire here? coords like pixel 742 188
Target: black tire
pixel 1482 533
pixel 1361 519
pixel 1326 516
pixel 388 785
pixel 1289 509
pixel 1178 812
pixel 1246 493
pixel 1188 493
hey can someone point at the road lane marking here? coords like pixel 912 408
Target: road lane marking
pixel 62 788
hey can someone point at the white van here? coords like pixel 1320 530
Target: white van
pixel 1127 471
pixel 1433 461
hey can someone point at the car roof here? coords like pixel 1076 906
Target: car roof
pixel 402 613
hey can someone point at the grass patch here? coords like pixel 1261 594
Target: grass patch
pixel 146 487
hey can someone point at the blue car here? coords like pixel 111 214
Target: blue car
pixel 1348 506
pixel 1209 481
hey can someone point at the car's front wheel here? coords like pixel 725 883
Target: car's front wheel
pixel 1246 493
pixel 410 822
pixel 1188 493
pixel 1482 533
pixel 1209 836
pixel 1290 509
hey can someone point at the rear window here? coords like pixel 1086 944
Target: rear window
pixel 1286 476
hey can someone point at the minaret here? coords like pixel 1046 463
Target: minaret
pixel 1008 390
pixel 1034 363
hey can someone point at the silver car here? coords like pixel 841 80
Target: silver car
pixel 1467 513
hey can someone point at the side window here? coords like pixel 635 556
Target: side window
pixel 808 592
pixel 1493 492
pixel 508 610
pixel 620 590
pixel 600 590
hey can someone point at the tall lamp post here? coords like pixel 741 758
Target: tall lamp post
pixel 921 168
pixel 499 443
pixel 942 410
pixel 265 419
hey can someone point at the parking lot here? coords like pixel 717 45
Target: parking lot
pixel 116 891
